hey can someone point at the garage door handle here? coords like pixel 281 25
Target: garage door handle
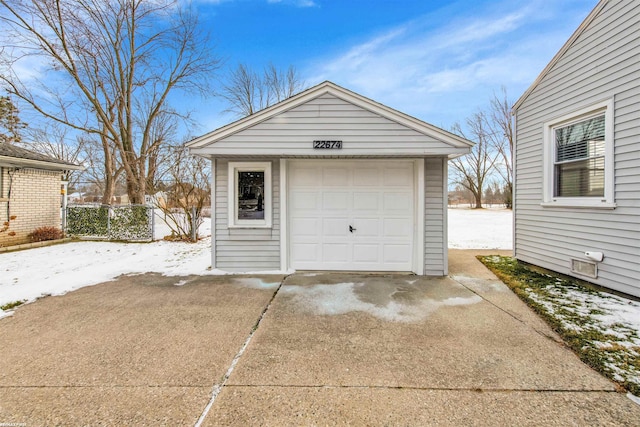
pixel 351 229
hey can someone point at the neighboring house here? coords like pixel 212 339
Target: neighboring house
pixel 577 154
pixel 330 180
pixel 30 192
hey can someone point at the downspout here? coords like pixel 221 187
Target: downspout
pixel 213 212
pixel 10 173
pixel 63 191
pixel 514 114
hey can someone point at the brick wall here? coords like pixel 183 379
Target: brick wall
pixel 34 201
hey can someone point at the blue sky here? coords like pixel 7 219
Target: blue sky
pixel 439 61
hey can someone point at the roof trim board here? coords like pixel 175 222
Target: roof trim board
pixel 8 161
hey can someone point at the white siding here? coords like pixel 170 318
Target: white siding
pixel 245 249
pixel 603 63
pixel 435 242
pixel 328 117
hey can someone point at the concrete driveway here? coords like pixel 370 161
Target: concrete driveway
pixel 328 349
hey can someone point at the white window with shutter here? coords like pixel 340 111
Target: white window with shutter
pixel 578 161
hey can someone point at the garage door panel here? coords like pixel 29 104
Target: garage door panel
pixel 306 227
pixel 398 177
pixel 366 202
pixel 366 227
pixel 335 227
pixel 335 201
pixel 397 227
pixel 335 252
pixel 375 197
pixel 304 252
pixel 334 177
pixel 366 177
pixel 395 253
pixel 305 200
pixel 397 201
pixel 306 176
pixel 366 253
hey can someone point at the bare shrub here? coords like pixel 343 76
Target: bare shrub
pixel 42 234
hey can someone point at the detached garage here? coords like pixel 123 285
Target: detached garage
pixel 329 180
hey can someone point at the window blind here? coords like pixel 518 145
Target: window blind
pixel 580 140
pixel 579 162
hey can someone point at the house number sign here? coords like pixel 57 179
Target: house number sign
pixel 327 145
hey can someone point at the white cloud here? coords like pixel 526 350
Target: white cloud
pixel 29 68
pixel 438 68
pixel 480 30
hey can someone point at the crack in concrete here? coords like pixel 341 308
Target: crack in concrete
pixel 217 388
pixel 475 389
pixel 541 333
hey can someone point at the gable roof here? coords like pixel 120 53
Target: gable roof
pixel 21 157
pixel 456 143
pixel 577 33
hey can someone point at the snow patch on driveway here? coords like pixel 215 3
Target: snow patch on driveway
pixel 342 298
pixel 255 283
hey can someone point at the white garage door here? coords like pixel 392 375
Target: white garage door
pixel 351 215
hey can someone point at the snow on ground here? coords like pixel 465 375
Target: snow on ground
pixel 480 228
pixel 54 270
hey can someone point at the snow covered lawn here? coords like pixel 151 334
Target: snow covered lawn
pixel 480 228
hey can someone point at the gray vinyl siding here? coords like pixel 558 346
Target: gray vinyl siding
pixel 328 117
pixel 435 238
pixel 603 63
pixel 245 249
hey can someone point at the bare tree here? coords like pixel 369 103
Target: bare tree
pixel 112 68
pixel 189 193
pixel 163 131
pixel 460 195
pixel 472 170
pixel 500 135
pixel 102 167
pixel 54 141
pixel 248 92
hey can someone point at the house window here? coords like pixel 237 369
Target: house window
pixel 579 159
pixel 250 195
